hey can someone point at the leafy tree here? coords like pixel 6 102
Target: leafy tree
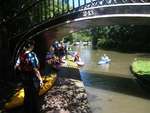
pixel 83 35
pixel 123 37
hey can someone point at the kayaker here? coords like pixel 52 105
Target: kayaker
pixel 52 59
pixel 76 56
pixel 62 52
pixel 28 64
pixel 105 58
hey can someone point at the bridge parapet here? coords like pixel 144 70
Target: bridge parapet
pixel 60 17
pixel 96 3
pixel 41 11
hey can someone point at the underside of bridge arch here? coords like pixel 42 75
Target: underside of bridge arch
pixel 45 33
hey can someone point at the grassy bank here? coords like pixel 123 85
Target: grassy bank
pixel 141 70
pixel 141 67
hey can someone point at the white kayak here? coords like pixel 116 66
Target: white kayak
pixel 80 63
pixel 104 61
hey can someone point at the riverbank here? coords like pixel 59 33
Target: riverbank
pixel 68 95
pixel 140 69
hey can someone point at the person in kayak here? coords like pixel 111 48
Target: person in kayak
pixel 76 57
pixel 28 64
pixel 51 59
pixel 105 58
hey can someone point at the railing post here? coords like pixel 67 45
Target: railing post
pixel 49 8
pixel 84 2
pixel 78 3
pixel 45 7
pixel 63 6
pixel 58 7
pixel 68 8
pixel 53 8
pixel 41 12
pixel 73 4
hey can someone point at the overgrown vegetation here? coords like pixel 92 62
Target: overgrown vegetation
pixel 141 67
pixel 83 35
pixel 126 38
pixel 118 37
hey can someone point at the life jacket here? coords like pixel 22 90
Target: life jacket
pixel 25 64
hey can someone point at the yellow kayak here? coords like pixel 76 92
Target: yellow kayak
pixel 70 63
pixel 18 98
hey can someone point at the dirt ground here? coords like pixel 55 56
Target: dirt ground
pixel 68 95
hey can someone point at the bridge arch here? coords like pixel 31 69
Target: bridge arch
pixel 101 15
pixel 137 13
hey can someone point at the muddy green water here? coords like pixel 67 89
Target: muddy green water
pixel 112 88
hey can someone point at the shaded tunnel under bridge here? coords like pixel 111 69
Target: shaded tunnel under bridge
pixel 70 16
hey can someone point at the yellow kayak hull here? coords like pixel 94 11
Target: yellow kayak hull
pixel 17 99
pixel 70 62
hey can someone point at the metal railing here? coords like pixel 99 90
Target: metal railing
pixel 43 10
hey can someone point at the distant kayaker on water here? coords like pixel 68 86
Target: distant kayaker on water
pixel 105 58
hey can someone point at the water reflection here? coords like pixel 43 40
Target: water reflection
pixel 113 83
pixel 111 87
pixel 105 67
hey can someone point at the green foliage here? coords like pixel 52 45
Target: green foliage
pixel 83 35
pixel 141 67
pixel 68 38
pixel 123 37
pixel 120 37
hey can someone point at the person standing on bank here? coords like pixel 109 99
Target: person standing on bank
pixel 28 64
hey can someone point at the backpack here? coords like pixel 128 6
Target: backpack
pixel 25 64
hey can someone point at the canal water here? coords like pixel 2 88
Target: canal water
pixel 112 88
